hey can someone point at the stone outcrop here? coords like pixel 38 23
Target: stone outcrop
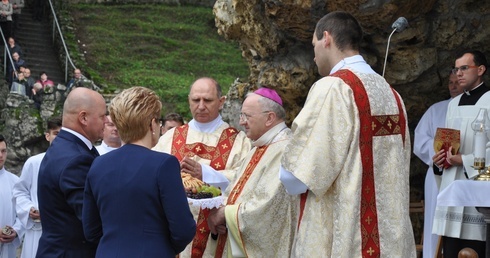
pixel 275 38
pixel 23 125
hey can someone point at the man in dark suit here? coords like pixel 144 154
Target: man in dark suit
pixel 62 176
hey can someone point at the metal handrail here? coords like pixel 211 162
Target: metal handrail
pixel 56 25
pixel 6 52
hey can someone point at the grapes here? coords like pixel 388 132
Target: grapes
pixel 205 191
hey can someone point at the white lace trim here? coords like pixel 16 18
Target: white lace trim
pixel 208 203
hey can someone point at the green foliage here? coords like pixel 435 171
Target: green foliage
pixel 164 48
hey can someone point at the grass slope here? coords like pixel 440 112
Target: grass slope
pixel 161 47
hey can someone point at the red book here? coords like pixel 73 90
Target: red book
pixel 445 138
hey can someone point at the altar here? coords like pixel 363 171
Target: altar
pixel 469 193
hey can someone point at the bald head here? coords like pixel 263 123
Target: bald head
pixel 205 100
pixel 84 112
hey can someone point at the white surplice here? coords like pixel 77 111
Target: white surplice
pixel 462 222
pixel 423 147
pixel 8 217
pixel 25 195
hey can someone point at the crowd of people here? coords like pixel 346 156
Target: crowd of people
pixel 317 189
pixel 18 73
pixel 19 76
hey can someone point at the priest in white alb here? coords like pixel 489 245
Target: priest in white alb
pixel 350 154
pixel 459 226
pixel 423 147
pixel 209 149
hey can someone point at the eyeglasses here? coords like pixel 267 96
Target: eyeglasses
pixel 463 68
pixel 244 117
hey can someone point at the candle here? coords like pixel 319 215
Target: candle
pixel 479 145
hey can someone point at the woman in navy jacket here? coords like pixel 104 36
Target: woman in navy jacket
pixel 135 204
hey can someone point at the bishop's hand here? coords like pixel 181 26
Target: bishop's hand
pixel 192 167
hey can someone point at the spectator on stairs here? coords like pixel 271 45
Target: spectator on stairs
pixel 6 18
pixel 44 81
pixel 77 77
pixel 29 79
pixel 20 80
pixel 17 62
pixel 14 47
pixel 37 94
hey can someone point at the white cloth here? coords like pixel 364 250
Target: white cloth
pixel 103 148
pixel 465 193
pixel 423 147
pixel 8 216
pixel 461 222
pixel 25 195
pixel 325 155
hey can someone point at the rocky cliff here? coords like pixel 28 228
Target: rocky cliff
pixel 275 38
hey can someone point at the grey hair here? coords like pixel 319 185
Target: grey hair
pixel 270 105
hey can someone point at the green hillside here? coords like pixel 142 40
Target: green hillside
pixel 164 48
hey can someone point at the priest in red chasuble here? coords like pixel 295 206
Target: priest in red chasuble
pixel 350 154
pixel 260 217
pixel 209 149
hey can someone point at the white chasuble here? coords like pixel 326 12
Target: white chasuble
pixel 206 148
pixel 260 216
pixel 351 147
pixel 462 222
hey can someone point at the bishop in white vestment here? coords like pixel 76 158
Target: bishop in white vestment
pixel 260 216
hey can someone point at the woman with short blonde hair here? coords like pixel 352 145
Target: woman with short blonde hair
pixel 135 194
pixel 133 110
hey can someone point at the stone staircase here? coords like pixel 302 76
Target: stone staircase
pixel 36 41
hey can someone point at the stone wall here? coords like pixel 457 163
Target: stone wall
pixel 23 125
pixel 275 38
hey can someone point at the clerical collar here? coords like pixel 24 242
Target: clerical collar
pixel 268 136
pixel 473 96
pixel 469 92
pixel 206 127
pixel 355 63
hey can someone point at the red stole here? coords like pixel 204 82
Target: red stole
pixel 237 190
pixel 218 155
pixel 371 126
